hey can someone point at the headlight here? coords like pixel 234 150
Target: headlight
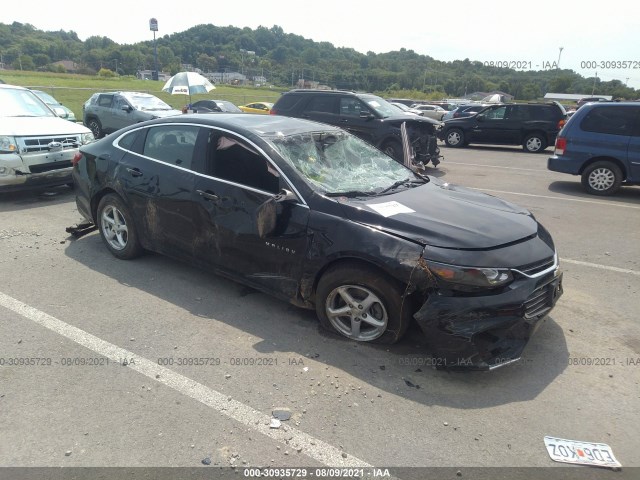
pixel 86 138
pixel 460 277
pixel 8 144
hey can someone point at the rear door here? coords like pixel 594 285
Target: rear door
pixel 156 175
pixel 235 179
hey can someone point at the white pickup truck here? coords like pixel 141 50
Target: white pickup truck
pixel 36 145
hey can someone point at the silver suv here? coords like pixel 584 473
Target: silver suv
pixel 36 145
pixel 107 112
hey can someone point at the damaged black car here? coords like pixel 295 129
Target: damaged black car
pixel 314 215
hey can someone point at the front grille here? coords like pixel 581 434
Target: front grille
pixel 46 167
pixel 537 267
pixel 541 300
pixel 41 144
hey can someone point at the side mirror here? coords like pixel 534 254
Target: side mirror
pixel 127 108
pixel 267 212
pixel 59 111
pixel 480 117
pixel 366 115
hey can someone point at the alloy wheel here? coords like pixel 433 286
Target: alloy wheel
pixel 114 228
pixel 357 312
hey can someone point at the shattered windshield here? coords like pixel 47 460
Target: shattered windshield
pixel 337 162
pixel 147 102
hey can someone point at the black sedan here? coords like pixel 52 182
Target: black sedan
pixel 315 216
pixel 208 106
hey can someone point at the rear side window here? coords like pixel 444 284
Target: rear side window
pixel 544 113
pixel 322 104
pixel 172 144
pixel 611 120
pixel 288 102
pixel 105 100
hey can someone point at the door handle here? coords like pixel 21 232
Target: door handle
pixel 207 195
pixel 135 172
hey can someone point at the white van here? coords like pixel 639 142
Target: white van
pixel 36 145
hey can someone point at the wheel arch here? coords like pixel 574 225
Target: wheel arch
pixel 603 158
pixel 95 201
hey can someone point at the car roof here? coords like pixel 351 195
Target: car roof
pixel 258 125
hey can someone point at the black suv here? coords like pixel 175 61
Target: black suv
pixel 532 125
pixel 367 116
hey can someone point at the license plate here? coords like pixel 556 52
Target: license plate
pixel 581 453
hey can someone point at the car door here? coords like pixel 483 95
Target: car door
pixel 104 108
pixel 122 113
pixel 157 178
pixel 489 125
pixel 356 117
pixel 235 180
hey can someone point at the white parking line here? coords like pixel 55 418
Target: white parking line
pixel 498 166
pixel 312 447
pixel 601 267
pixel 564 199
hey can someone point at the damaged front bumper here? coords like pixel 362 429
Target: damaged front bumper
pixel 486 332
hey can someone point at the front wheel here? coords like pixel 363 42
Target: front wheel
pixel 534 143
pixel 602 178
pixel 117 229
pixel 96 128
pixel 394 150
pixel 454 138
pixel 361 303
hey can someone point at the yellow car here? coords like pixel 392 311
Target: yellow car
pixel 257 107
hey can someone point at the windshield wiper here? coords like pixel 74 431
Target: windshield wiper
pixel 398 184
pixel 350 193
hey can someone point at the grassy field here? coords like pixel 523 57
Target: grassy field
pixel 73 90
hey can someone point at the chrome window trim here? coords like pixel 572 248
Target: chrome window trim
pixel 302 202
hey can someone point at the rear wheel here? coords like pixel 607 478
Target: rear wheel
pixel 117 229
pixel 96 128
pixel 361 303
pixel 454 138
pixel 602 178
pixel 534 143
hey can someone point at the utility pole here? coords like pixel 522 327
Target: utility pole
pixel 559 55
pixel 593 90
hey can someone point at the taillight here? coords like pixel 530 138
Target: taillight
pixel 561 123
pixel 272 112
pixel 76 159
pixel 561 145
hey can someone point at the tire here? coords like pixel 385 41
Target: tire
pixel 362 284
pixel 96 128
pixel 117 229
pixel 534 143
pixel 394 150
pixel 454 138
pixel 602 178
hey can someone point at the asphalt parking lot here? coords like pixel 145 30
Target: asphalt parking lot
pixel 154 363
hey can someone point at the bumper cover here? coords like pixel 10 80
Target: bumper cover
pixel 486 332
pixel 10 183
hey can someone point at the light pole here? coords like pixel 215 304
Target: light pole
pixel 559 54
pixel 153 26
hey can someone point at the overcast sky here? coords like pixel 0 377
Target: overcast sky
pixel 494 30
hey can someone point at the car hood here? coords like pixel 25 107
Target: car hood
pixel 37 126
pixel 445 216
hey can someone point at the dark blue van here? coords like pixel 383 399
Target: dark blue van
pixel 601 143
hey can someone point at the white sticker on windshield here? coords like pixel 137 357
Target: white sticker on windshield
pixel 387 209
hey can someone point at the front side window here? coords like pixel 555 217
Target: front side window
pixel 495 113
pixel 172 144
pixel 611 120
pixel 336 161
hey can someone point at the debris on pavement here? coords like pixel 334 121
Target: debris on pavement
pixel 411 384
pixel 275 423
pixel 282 414
pixel 580 453
pixel 81 229
pixel 206 461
